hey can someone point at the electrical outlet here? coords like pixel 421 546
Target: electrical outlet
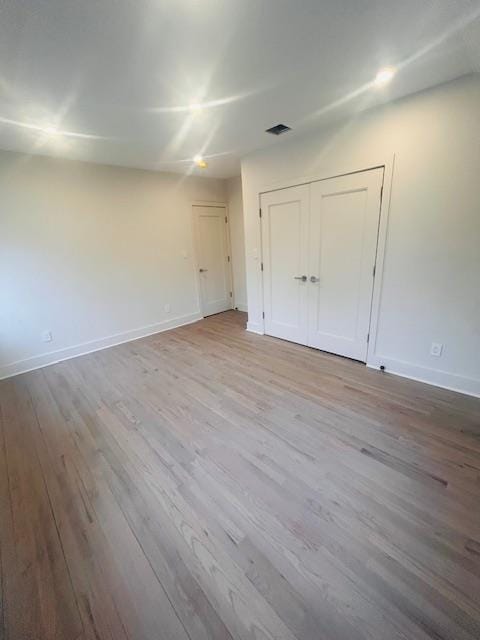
pixel 436 349
pixel 167 308
pixel 47 336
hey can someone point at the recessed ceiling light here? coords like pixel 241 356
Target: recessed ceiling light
pixel 200 162
pixel 50 131
pixel 195 106
pixel 384 76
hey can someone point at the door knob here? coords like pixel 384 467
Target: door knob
pixel 302 278
pixel 203 270
pixel 314 279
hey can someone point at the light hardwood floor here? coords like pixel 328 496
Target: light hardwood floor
pixel 207 483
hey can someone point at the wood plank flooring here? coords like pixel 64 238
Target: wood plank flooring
pixel 210 484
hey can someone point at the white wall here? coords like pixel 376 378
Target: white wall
pixel 237 238
pixel 431 277
pixel 92 254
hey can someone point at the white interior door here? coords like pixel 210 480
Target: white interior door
pixel 285 246
pixel 343 230
pixel 213 259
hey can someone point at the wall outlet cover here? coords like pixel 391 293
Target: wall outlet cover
pixel 436 349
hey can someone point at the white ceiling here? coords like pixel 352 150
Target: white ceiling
pixel 122 73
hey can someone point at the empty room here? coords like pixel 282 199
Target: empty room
pixel 240 320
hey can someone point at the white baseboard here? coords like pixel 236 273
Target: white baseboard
pixel 435 377
pixel 46 359
pixel 241 307
pixel 254 327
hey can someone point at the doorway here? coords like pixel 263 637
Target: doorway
pixel 319 244
pixel 213 258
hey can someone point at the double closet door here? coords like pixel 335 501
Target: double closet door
pixel 319 243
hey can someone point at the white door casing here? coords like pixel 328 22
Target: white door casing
pixel 212 251
pixel 285 245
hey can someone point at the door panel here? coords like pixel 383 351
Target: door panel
pixel 212 256
pixel 344 219
pixel 284 239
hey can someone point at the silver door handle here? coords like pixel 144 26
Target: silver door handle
pixel 203 270
pixel 314 279
pixel 302 278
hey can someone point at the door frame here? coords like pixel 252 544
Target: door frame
pixel 388 164
pixel 195 259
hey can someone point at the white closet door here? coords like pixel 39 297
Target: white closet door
pixel 285 249
pixel 344 216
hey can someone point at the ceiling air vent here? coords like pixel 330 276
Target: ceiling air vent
pixel 278 129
